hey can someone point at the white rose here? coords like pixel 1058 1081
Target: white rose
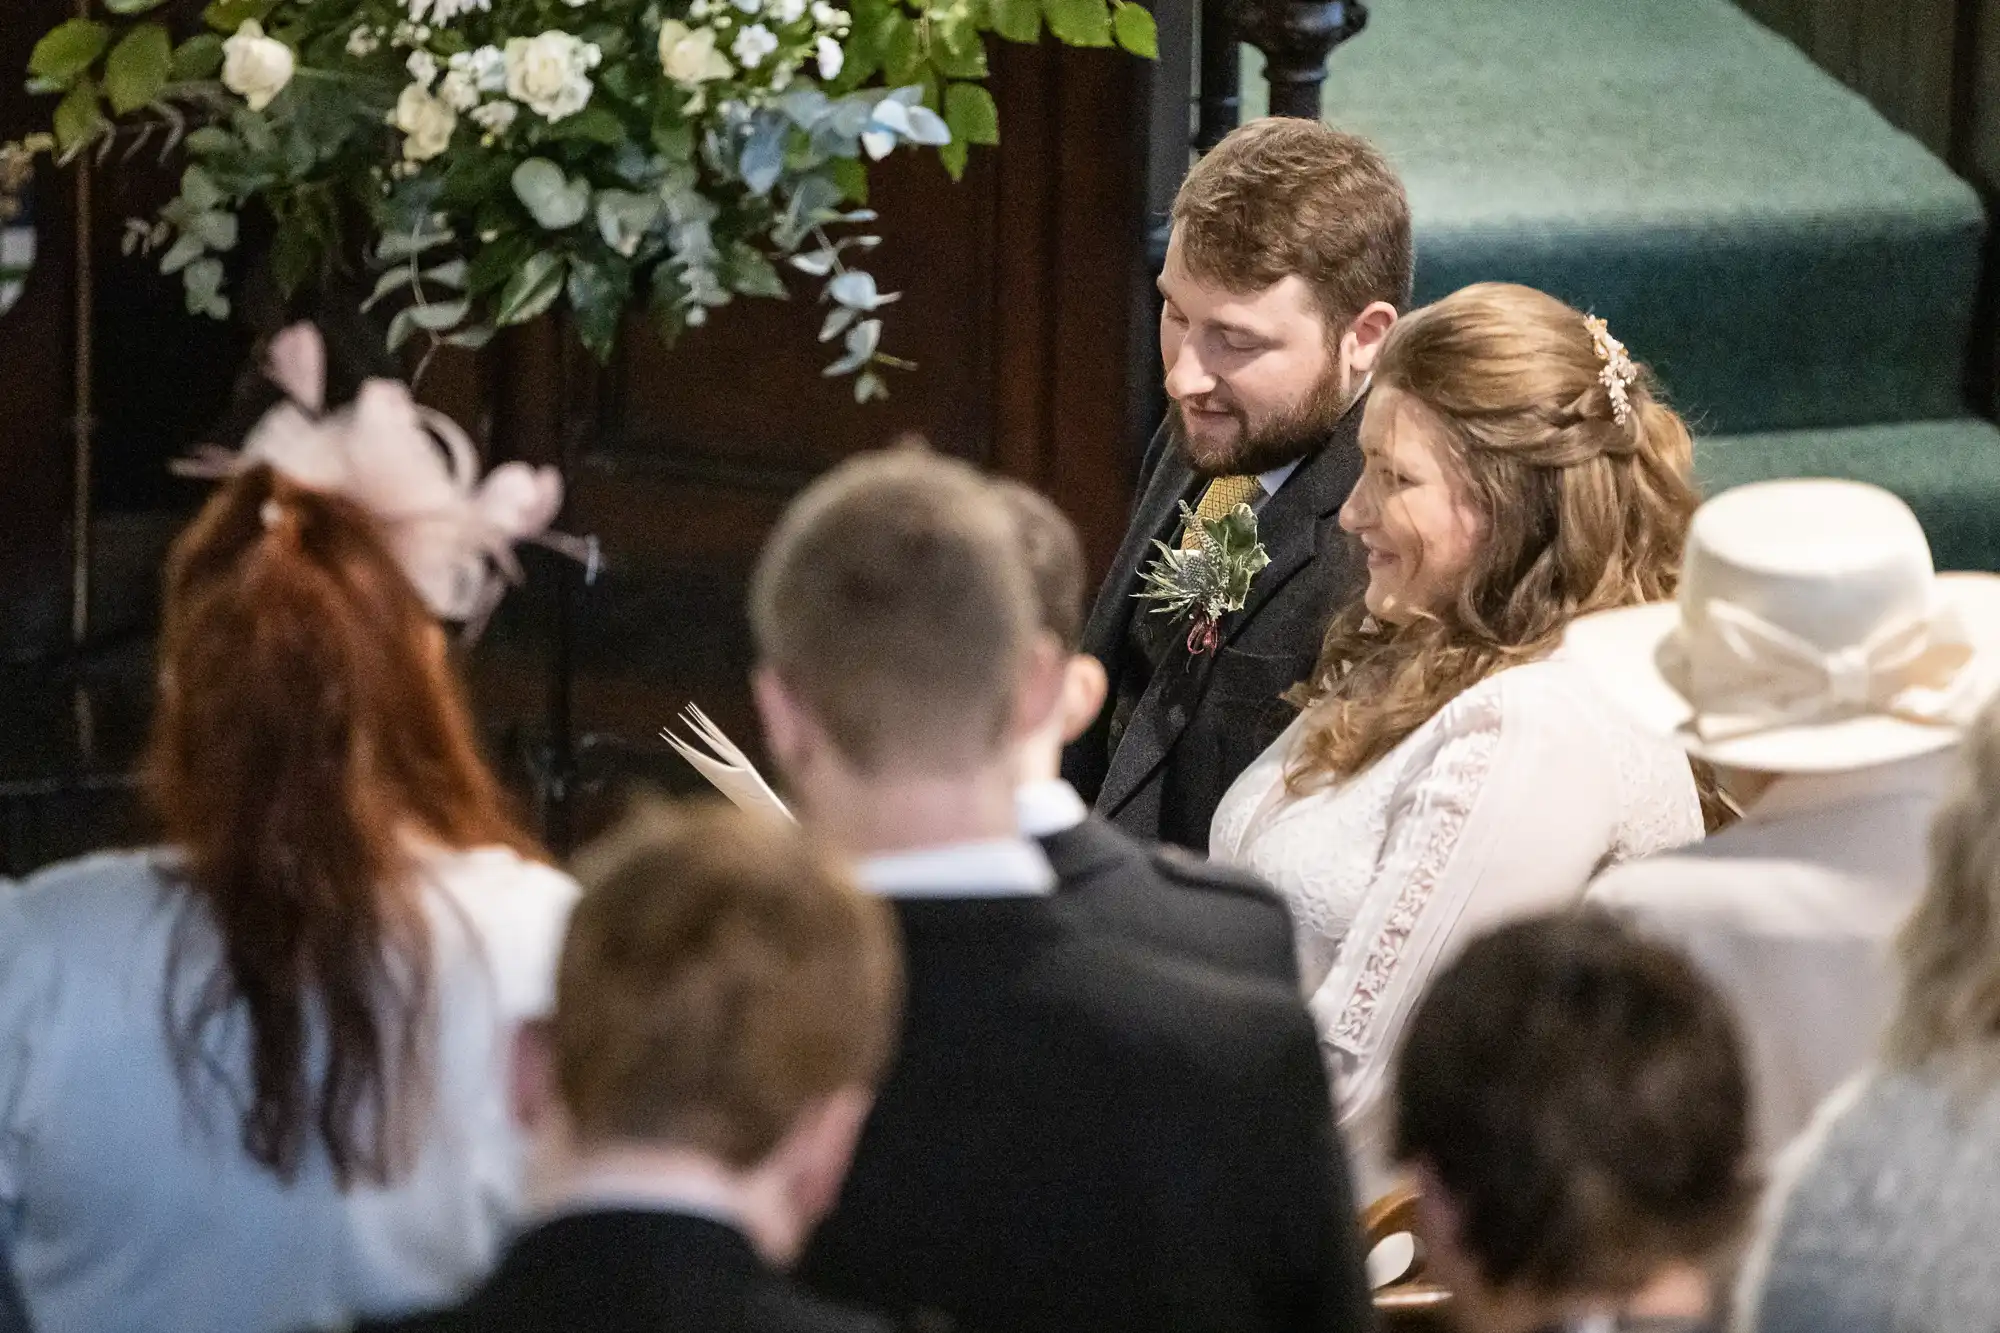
pixel 831 58
pixel 458 91
pixel 786 11
pixel 255 67
pixel 549 73
pixel 496 118
pixel 688 55
pixel 752 45
pixel 426 122
pixel 486 67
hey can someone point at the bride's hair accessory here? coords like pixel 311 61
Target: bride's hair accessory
pixel 1618 371
pixel 413 470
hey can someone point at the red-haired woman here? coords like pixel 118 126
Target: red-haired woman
pixel 255 1078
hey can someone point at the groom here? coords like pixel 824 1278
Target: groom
pixel 1289 261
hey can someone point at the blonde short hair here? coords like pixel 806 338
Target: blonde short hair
pixel 1950 946
pixel 720 975
pixel 893 601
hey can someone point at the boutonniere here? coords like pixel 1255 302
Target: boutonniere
pixel 1208 580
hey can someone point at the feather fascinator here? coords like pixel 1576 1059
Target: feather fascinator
pixel 413 470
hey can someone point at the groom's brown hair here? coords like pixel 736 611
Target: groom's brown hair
pixel 1282 196
pixel 892 600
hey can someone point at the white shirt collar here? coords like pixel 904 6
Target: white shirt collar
pixel 605 1189
pixel 995 868
pixel 1048 807
pixel 1278 476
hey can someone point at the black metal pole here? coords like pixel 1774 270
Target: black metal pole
pixel 1221 77
pixel 1297 37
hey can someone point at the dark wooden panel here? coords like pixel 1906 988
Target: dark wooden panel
pixel 1899 56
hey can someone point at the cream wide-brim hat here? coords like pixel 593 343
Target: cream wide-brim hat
pixel 1829 563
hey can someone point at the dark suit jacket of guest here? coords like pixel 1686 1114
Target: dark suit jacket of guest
pixel 1081 1136
pixel 635 1271
pixel 1204 718
pixel 13 1311
pixel 1165 898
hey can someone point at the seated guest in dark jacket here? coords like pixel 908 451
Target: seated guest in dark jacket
pixel 1167 898
pixel 726 1002
pixel 1573 1101
pixel 1078 1133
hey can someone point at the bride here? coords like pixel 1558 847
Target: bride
pixel 1450 769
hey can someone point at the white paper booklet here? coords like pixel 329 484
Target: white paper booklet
pixel 716 758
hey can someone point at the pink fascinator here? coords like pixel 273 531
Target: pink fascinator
pixel 414 470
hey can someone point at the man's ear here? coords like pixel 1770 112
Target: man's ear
pixel 1085 686
pixel 1362 343
pixel 1041 686
pixel 532 1074
pixel 779 712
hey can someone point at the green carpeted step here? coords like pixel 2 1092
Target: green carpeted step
pixel 1780 254
pixel 1948 471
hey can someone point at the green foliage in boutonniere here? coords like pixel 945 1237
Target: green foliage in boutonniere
pixel 1205 582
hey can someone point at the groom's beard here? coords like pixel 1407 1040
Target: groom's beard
pixel 1301 430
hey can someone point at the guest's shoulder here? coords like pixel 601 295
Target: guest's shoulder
pixel 1181 868
pixel 99 889
pixel 499 887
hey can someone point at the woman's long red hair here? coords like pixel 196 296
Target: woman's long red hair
pixel 309 727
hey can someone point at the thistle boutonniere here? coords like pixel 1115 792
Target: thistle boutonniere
pixel 1207 581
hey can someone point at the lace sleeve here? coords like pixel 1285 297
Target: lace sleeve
pixel 1505 812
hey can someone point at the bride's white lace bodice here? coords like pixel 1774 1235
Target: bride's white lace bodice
pixel 1503 805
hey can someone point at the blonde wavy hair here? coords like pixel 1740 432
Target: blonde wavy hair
pixel 1581 514
pixel 1950 946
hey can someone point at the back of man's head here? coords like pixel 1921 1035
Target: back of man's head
pixel 891 603
pixel 1053 554
pixel 1577 1096
pixel 1283 196
pixel 720 979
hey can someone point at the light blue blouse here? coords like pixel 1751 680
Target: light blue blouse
pixel 130 1209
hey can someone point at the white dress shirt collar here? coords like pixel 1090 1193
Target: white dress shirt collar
pixel 1048 807
pixel 1278 476
pixel 613 1189
pixel 995 868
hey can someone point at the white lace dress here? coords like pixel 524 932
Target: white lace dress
pixel 1503 805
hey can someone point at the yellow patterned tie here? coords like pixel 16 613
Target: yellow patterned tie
pixel 1221 497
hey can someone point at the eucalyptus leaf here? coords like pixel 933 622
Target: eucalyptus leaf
pixel 954 156
pixel 1017 20
pixel 862 341
pixel 1135 29
pixel 763 156
pixel 556 202
pixel 127 8
pixel 199 192
pixel 818 263
pixel 78 119
pixel 928 128
pixel 969 110
pixel 203 285
pixel 186 249
pixel 68 50
pixel 401 329
pixel 837 321
pixel 472 339
pixel 451 274
pixel 399 245
pixel 216 229
pixel 1079 22
pixel 533 289
pixel 137 68
pixel 751 274
pixel 437 316
pixel 395 280
pixel 855 290
pixel 870 387
pixel 198 58
pixel 624 218
pixel 208 141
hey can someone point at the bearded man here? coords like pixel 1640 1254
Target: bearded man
pixel 1289 261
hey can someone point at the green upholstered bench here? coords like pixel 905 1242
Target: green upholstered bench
pixel 1948 471
pixel 1778 252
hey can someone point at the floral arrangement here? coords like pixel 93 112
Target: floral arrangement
pixel 1207 580
pixel 501 156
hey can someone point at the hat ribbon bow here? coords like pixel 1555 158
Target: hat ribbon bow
pixel 1745 675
